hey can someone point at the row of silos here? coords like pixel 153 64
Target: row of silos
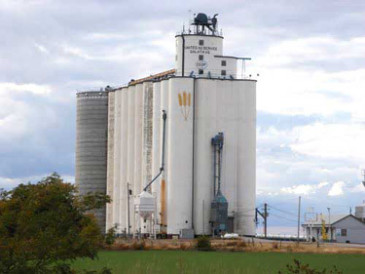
pixel 185 189
pixel 130 152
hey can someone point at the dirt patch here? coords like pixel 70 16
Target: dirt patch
pixel 238 245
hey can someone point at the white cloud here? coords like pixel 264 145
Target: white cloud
pixel 294 78
pixel 303 189
pixel 342 141
pixel 41 48
pixel 300 189
pixel 337 189
pixel 322 184
pixel 8 88
pixel 312 49
pixel 78 52
pixel 358 188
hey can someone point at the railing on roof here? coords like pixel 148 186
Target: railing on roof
pixel 154 76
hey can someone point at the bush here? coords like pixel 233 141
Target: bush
pixel 300 268
pixel 110 236
pixel 203 244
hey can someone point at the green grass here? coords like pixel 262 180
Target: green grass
pixel 215 262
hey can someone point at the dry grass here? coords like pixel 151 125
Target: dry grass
pixel 235 245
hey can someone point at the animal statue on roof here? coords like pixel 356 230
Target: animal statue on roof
pixel 201 19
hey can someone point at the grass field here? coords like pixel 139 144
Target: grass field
pixel 164 261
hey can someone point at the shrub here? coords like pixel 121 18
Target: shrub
pixel 203 244
pixel 110 236
pixel 300 268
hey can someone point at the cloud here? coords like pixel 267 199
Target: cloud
pixel 299 190
pixel 304 52
pixel 41 48
pixel 337 189
pixel 322 184
pixel 342 141
pixel 303 189
pixel 7 88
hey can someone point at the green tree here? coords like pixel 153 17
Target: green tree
pixel 44 225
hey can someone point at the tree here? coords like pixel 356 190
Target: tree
pixel 44 224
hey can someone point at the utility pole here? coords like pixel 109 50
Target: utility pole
pixel 265 219
pixel 264 216
pixel 329 223
pixel 299 202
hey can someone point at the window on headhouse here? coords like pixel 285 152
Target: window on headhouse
pixel 224 63
pixel 201 57
pixel 343 232
pixel 223 73
pixel 201 71
pixel 201 42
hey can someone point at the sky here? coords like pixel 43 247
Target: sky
pixel 310 57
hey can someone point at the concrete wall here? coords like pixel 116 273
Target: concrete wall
pixel 91 145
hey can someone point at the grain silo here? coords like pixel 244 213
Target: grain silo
pixel 91 145
pixel 173 158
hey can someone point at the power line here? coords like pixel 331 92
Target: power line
pixel 285 218
pixel 283 211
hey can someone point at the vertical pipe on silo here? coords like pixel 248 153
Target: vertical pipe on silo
pixel 156 149
pixel 164 105
pixel 246 188
pixel 110 160
pixel 117 153
pixel 123 132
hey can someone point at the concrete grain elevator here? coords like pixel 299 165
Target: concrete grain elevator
pixel 157 134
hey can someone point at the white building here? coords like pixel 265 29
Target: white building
pixel 202 96
pixel 314 229
pixel 339 228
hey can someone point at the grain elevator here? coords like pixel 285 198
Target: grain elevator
pixel 176 151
